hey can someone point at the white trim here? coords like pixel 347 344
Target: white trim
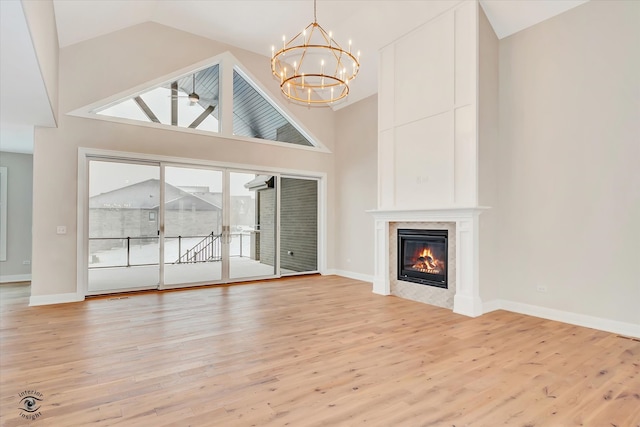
pixel 584 320
pixel 54 299
pixel 3 213
pixel 493 305
pixel 84 152
pixel 322 225
pixel 82 225
pixel 223 60
pixel 15 278
pixel 278 196
pixel 442 213
pixel 350 274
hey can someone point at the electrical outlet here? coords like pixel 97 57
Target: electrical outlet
pixel 26 262
pixel 61 229
pixel 541 288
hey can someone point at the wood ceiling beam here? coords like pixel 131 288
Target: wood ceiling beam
pixel 174 104
pixel 202 116
pixel 146 110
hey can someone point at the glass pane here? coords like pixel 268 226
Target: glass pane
pixel 193 225
pixel 255 117
pixel 253 211
pixel 203 114
pixel 123 226
pixel 159 102
pixel 197 102
pixel 298 225
pixel 190 113
pixel 126 110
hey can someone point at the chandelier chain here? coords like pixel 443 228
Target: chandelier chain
pixel 315 19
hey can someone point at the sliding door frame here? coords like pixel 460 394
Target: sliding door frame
pixel 163 165
pixel 85 155
pixel 83 202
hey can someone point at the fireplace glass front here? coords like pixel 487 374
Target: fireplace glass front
pixel 422 256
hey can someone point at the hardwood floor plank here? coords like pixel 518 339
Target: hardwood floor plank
pixel 305 351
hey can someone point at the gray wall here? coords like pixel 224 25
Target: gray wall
pixel 569 154
pixel 19 195
pixel 299 224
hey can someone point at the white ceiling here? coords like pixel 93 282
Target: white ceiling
pixel 255 25
pixel 249 24
pixel 510 16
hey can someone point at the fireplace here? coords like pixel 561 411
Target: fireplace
pixel 422 257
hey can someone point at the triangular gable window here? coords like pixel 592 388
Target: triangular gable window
pixel 255 117
pixel 189 102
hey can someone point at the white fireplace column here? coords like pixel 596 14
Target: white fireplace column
pixel 467 297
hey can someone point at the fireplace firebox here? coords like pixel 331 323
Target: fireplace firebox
pixel 422 257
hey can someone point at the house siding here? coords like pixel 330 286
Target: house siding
pixel 267 226
pixel 299 224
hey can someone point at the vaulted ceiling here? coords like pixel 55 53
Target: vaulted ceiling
pixel 257 24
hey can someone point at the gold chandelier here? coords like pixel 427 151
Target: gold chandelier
pixel 312 67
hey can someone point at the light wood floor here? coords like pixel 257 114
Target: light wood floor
pixel 314 351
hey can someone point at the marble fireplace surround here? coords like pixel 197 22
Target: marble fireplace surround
pixel 463 294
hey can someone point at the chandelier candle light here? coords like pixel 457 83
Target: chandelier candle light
pixel 312 67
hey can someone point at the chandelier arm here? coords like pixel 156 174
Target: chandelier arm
pixel 304 53
pixel 295 37
pixel 325 36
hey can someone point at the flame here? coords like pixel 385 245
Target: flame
pixel 426 252
pixel 426 262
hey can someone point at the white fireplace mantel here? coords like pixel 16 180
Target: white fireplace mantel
pixel 467 298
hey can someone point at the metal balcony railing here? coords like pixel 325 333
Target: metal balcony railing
pixel 208 249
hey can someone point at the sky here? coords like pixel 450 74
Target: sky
pixel 107 176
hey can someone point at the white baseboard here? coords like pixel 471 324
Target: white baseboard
pixel 350 275
pixel 15 278
pixel 490 306
pixel 54 299
pixel 614 326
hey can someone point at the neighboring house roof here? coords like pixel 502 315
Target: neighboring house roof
pixel 146 195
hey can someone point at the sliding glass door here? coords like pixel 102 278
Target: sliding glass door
pixel 159 225
pixel 252 227
pixel 123 226
pixel 193 220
